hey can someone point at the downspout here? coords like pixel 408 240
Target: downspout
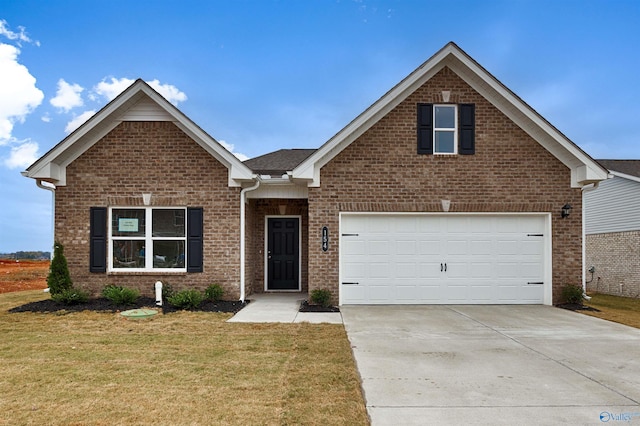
pixel 51 188
pixel 584 239
pixel 243 197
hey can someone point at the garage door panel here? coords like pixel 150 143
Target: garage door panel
pixel 429 270
pixel 428 247
pixel 457 247
pixel 401 258
pixel 405 270
pixel 405 247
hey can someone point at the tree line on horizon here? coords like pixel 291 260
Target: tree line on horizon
pixel 27 255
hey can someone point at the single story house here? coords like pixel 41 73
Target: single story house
pixel 612 228
pixel 449 189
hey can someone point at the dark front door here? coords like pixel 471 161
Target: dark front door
pixel 283 253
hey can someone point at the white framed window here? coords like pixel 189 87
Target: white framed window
pixel 147 239
pixel 445 129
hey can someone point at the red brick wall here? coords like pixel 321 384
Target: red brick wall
pixel 381 171
pixel 616 257
pixel 156 158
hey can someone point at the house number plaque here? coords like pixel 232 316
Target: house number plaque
pixel 325 238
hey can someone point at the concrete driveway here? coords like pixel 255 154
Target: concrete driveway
pixel 494 365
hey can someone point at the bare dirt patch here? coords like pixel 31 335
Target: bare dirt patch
pixel 23 275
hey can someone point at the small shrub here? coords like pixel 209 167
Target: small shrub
pixel 71 296
pixel 167 290
pixel 59 278
pixel 321 296
pixel 214 292
pixel 186 299
pixel 121 295
pixel 572 294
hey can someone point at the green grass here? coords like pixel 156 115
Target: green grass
pixel 624 310
pixel 183 368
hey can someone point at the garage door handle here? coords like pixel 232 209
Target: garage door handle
pixel 536 283
pixel 347 283
pixel 350 235
pixel 535 235
pixel 443 267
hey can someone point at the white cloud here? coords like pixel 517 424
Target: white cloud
pixel 68 96
pixel 111 89
pixel 22 155
pixel 170 92
pixel 230 147
pixel 46 118
pixel 13 36
pixel 79 121
pixel 19 95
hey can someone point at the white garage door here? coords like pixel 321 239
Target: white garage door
pixel 447 259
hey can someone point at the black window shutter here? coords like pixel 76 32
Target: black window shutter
pixel 425 128
pixel 195 234
pixel 467 137
pixel 98 239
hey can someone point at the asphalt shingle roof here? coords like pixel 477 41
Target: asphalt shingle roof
pixel 278 162
pixel 628 167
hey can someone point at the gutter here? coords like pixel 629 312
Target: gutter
pixel 50 187
pixel 587 188
pixel 243 197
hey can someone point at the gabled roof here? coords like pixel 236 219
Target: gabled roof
pixel 626 167
pixel 584 170
pixel 279 162
pixel 141 99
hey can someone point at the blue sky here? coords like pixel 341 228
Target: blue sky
pixel 264 75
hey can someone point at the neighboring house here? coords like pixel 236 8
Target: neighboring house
pixel 448 189
pixel 612 227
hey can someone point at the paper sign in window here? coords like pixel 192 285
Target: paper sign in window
pixel 127 225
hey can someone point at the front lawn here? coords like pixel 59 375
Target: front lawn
pixel 181 368
pixel 624 310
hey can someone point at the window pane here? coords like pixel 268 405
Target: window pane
pixel 128 254
pixel 444 142
pixel 445 117
pixel 168 223
pixel 168 254
pixel 127 222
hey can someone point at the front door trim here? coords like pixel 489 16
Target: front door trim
pixel 266 252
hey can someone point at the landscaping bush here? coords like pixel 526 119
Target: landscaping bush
pixel 186 299
pixel 572 294
pixel 214 292
pixel 71 296
pixel 321 297
pixel 167 290
pixel 59 279
pixel 121 295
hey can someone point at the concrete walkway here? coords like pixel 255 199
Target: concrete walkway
pixel 282 307
pixel 498 365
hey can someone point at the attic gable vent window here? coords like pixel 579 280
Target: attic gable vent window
pixel 446 129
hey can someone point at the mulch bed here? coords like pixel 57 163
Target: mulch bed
pixel 105 305
pixel 577 307
pixel 306 307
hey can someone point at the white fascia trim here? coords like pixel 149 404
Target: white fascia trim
pixel 309 169
pixel 584 169
pixel 91 130
pixel 625 176
pixel 483 82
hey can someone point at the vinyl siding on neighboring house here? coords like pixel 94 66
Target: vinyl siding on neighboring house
pixel 613 207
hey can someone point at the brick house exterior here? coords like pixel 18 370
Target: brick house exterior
pixel 612 228
pixel 511 167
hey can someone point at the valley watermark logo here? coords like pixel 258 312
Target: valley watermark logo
pixel 607 416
